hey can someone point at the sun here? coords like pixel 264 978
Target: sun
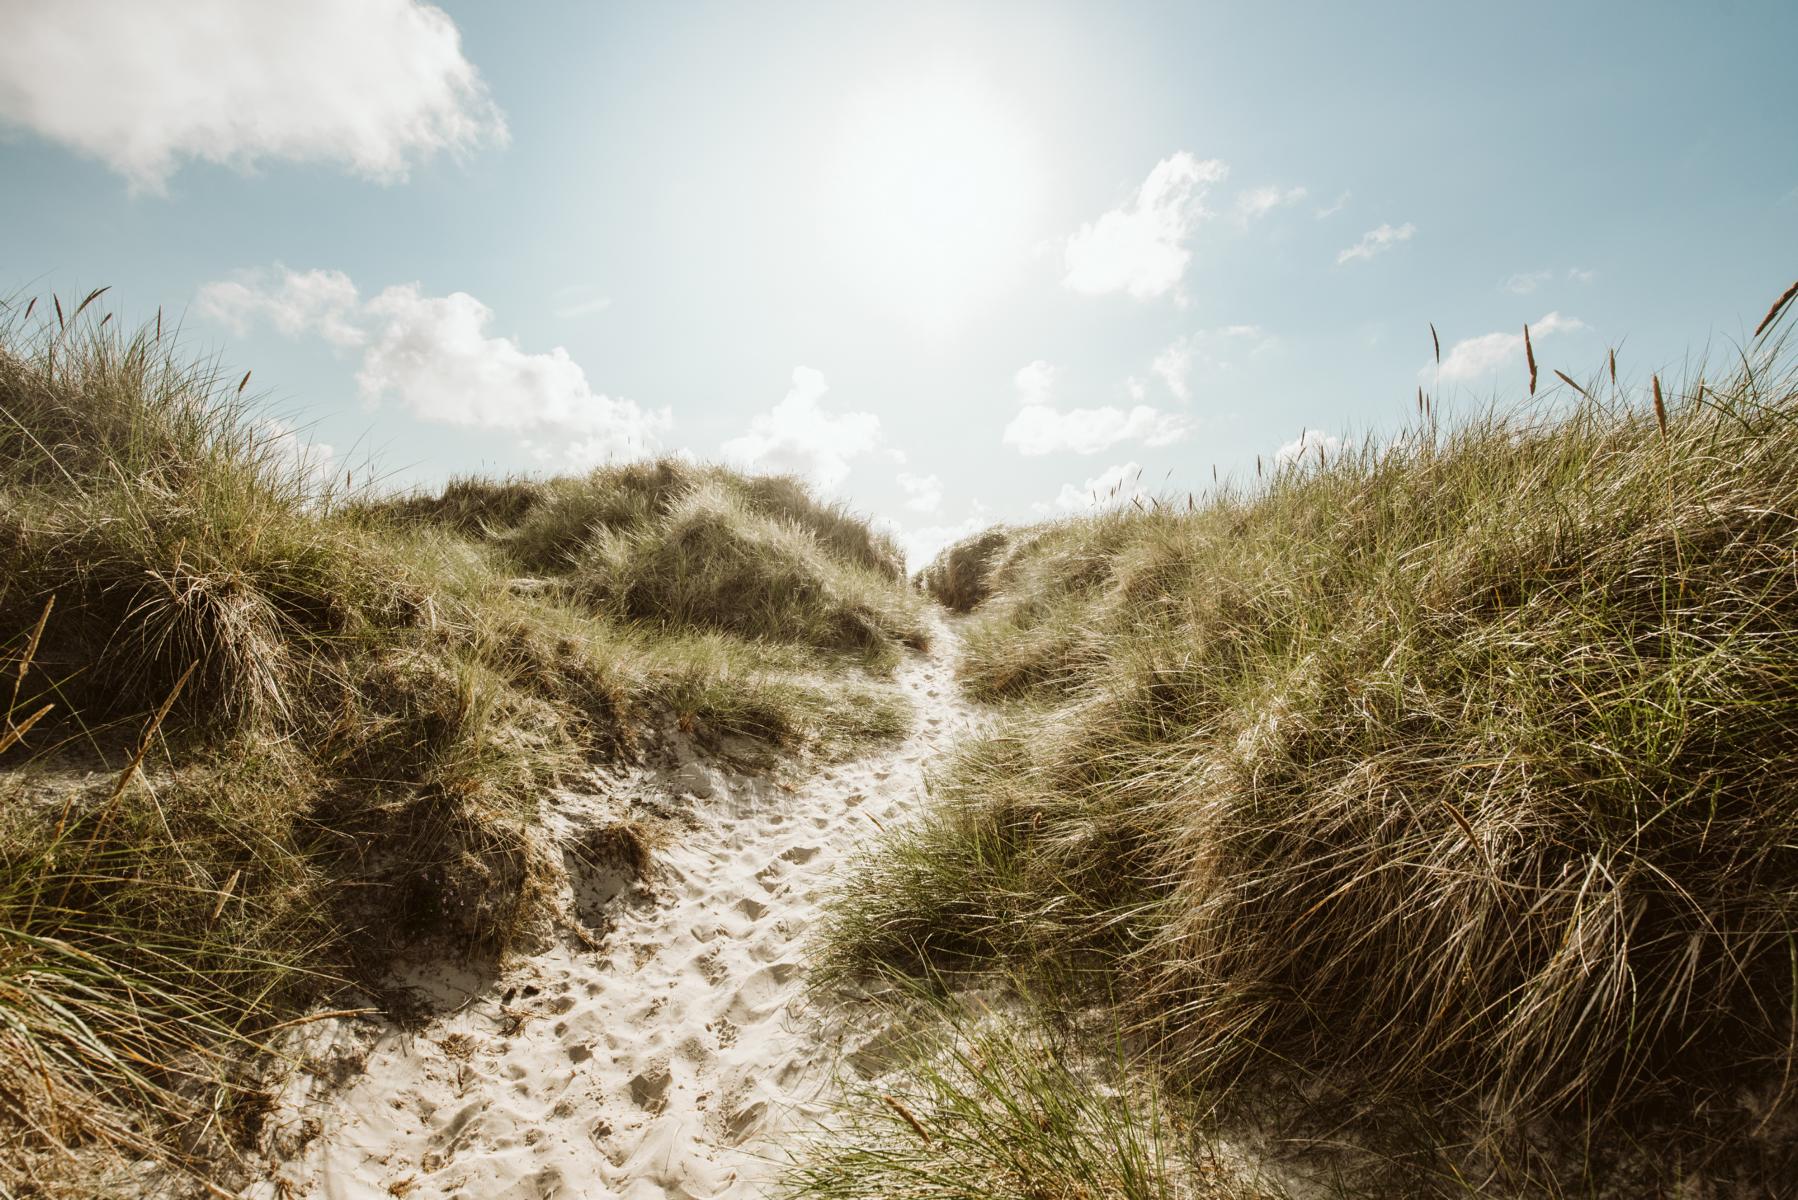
pixel 930 195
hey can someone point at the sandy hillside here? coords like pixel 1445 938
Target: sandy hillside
pixel 659 1051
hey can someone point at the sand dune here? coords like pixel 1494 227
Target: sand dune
pixel 656 1047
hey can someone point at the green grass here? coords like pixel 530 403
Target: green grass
pixel 991 1107
pixel 258 732
pixel 1450 776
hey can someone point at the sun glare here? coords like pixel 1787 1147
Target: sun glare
pixel 930 195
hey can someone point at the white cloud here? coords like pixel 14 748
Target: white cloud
pixel 1113 487
pixel 1039 429
pixel 1258 202
pixel 1580 275
pixel 1476 357
pixel 1525 282
pixel 434 356
pixel 926 542
pixel 370 85
pixel 799 437
pixel 1335 206
pixel 294 302
pixel 295 449
pixel 1377 241
pixel 1036 382
pixel 924 493
pixel 1140 247
pixel 1208 346
pixel 1308 443
pixel 1173 365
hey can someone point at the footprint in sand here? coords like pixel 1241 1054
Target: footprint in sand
pixel 649 1087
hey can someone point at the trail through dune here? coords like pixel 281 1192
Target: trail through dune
pixel 662 1053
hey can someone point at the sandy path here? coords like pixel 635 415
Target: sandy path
pixel 667 1062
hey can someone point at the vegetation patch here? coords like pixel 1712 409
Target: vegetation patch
pixel 1440 775
pixel 258 732
pixel 1005 1109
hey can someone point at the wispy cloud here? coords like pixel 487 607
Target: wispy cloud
pixel 1038 430
pixel 1211 347
pixel 1477 357
pixel 1333 207
pixel 1258 202
pixel 924 493
pixel 800 436
pixel 434 357
pixel 1140 246
pixel 1377 241
pixel 578 300
pixel 373 86
pixel 1525 282
pixel 1036 382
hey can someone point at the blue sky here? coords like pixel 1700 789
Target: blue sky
pixel 954 262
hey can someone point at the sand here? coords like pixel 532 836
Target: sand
pixel 657 1047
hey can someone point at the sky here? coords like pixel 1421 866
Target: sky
pixel 955 263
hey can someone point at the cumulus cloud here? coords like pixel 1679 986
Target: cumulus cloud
pixel 1041 428
pixel 1377 241
pixel 924 493
pixel 1580 275
pixel 1476 357
pixel 1258 202
pixel 1112 487
pixel 434 356
pixel 1140 247
pixel 799 436
pixel 1309 442
pixel 373 86
pixel 294 302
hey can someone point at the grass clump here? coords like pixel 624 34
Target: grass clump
pixel 257 734
pixel 1446 773
pixel 690 546
pixel 1000 1108
pixel 961 576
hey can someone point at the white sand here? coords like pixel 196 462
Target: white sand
pixel 668 1062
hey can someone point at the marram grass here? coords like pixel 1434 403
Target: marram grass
pixel 1453 774
pixel 259 730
